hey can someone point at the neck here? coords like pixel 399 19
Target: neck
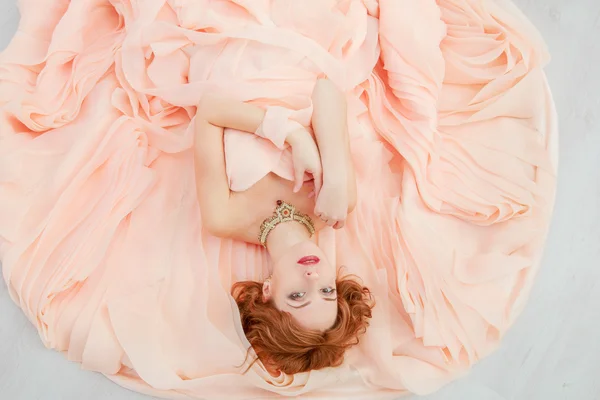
pixel 284 236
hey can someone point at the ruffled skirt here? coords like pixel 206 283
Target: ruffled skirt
pixel 453 135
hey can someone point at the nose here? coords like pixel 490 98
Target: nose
pixel 311 274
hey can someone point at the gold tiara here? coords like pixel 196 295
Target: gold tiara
pixel 283 213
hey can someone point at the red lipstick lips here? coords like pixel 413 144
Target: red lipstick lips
pixel 309 260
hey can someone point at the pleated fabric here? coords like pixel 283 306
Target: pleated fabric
pixel 453 134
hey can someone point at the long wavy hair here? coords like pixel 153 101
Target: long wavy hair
pixel 283 345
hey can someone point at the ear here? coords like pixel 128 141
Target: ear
pixel 266 290
pixel 273 371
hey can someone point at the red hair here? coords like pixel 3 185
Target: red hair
pixel 281 344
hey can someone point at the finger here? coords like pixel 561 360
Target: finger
pixel 311 194
pixel 318 181
pixel 298 179
pixel 327 220
pixel 339 225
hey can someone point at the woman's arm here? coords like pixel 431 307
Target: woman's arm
pixel 222 210
pixel 219 207
pixel 330 123
pixel 230 113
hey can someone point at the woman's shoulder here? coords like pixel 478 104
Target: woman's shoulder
pixel 258 203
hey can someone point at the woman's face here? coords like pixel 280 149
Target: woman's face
pixel 303 284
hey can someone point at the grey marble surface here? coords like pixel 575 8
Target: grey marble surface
pixel 553 351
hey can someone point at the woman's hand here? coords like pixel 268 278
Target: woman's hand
pixel 333 200
pixel 305 155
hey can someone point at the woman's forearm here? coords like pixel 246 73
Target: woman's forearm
pixel 329 122
pixel 230 113
pixel 272 123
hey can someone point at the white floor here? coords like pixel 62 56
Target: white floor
pixel 552 353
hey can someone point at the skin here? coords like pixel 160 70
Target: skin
pixel 307 292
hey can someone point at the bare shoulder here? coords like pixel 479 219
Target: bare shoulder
pixel 240 218
pixel 259 202
pixel 226 220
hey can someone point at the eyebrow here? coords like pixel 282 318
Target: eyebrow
pixel 303 305
pixel 308 302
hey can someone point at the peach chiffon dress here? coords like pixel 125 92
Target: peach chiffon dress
pixel 453 135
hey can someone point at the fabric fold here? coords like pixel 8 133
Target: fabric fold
pixel 453 135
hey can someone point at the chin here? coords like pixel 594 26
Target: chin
pixel 307 248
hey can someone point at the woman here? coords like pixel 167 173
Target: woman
pixel 131 199
pixel 303 316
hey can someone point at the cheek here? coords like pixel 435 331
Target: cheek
pixel 327 270
pixel 288 274
pixel 284 266
pixel 283 285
